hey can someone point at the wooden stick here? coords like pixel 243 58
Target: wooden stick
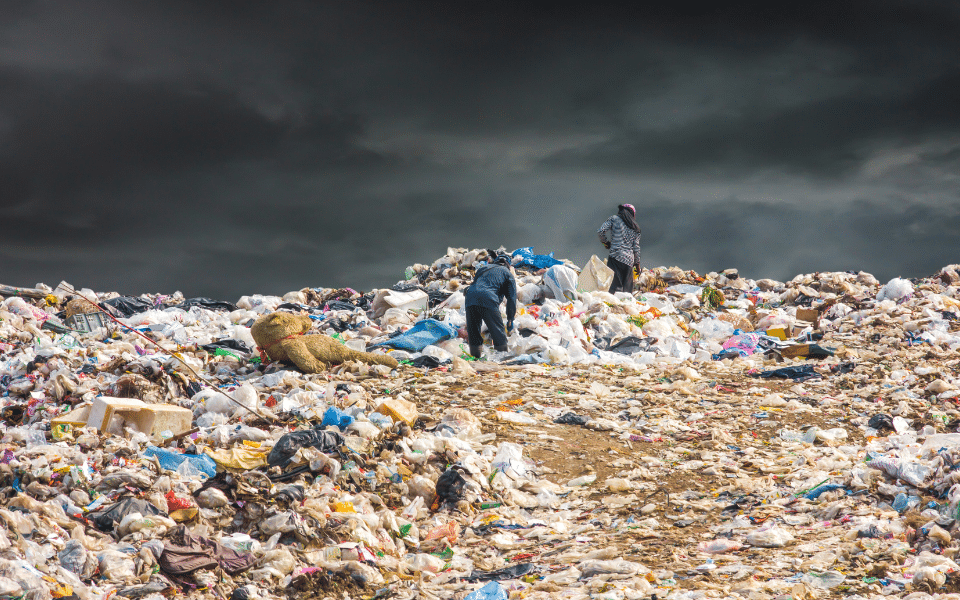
pixel 9 290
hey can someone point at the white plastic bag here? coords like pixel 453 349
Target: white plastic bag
pixel 895 289
pixel 595 276
pixel 528 293
pixel 562 282
pixel 774 537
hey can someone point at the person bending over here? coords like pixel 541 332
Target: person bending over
pixel 493 283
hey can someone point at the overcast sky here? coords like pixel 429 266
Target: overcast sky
pixel 271 146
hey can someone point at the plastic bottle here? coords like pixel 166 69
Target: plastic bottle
pixel 719 546
pixel 411 510
pixel 823 580
pixel 583 480
pixel 788 435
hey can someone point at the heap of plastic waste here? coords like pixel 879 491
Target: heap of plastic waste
pixel 707 436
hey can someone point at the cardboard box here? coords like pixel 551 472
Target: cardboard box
pixel 778 332
pixel 810 315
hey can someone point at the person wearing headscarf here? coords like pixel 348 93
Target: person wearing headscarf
pixel 493 282
pixel 620 234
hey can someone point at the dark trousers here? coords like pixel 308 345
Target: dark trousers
pixel 479 314
pixel 622 276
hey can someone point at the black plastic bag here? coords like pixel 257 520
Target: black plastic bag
pixel 842 368
pixel 207 303
pixel 881 422
pixel 429 362
pixel 571 419
pixel 106 518
pixel 226 344
pixel 630 345
pixel 798 373
pixel 290 493
pixel 511 572
pixel 450 485
pixel 126 306
pixel 406 286
pixel 287 446
pixel 437 297
pixel 340 305
pixel 871 531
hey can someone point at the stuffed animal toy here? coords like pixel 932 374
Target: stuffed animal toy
pixel 280 336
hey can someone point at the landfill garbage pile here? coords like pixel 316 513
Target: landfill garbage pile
pixel 707 437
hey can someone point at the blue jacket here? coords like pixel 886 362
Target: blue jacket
pixel 492 285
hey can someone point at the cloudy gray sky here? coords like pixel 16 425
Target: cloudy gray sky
pixel 169 146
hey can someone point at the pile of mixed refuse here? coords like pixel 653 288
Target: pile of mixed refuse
pixel 709 436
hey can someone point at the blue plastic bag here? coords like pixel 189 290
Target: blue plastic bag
pixel 491 591
pixel 537 261
pixel 422 334
pixel 816 492
pixel 172 460
pixel 335 416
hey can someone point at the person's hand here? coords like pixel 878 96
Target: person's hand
pixel 606 245
pixel 510 326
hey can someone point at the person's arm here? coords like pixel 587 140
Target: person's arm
pixel 603 229
pixel 511 294
pixel 636 252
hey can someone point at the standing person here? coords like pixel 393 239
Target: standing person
pixel 624 247
pixel 493 283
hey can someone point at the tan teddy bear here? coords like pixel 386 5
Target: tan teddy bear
pixel 281 336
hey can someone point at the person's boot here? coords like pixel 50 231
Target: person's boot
pixel 500 348
pixel 475 351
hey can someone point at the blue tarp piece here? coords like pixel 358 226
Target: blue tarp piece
pixel 491 591
pixel 172 460
pixel 421 335
pixel 537 261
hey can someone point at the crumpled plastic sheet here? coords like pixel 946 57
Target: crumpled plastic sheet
pixel 173 460
pixel 526 257
pixel 799 373
pixel 424 333
pixel 744 343
pixel 286 447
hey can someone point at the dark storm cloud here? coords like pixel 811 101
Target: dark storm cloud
pixel 149 146
pixel 827 138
